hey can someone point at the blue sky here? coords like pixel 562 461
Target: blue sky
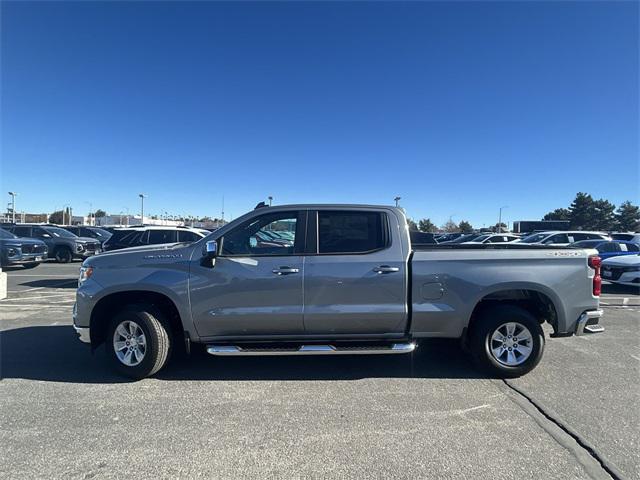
pixel 459 108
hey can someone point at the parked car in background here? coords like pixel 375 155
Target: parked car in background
pixel 98 233
pixel 494 238
pixel 14 251
pixel 447 237
pixel 464 238
pixel 623 270
pixel 608 249
pixel 64 246
pixel 155 235
pixel 422 238
pixel 560 239
pixel 627 237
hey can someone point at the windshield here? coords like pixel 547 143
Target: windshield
pixel 100 232
pixel 535 238
pixel 481 238
pixel 5 234
pixel 466 238
pixel 59 232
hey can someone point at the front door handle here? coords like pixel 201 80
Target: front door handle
pixel 285 270
pixel 386 269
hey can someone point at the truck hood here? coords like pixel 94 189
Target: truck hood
pixel 134 254
pixel 87 240
pixel 623 261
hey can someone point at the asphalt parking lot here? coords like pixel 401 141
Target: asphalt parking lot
pixel 64 414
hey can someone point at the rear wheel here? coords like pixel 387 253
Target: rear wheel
pixel 138 342
pixel 506 341
pixel 63 255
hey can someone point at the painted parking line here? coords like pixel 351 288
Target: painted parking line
pixel 61 277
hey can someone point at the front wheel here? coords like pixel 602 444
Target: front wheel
pixel 63 255
pixel 138 342
pixel 506 341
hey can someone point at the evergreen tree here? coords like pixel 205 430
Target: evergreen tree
pixel 581 211
pixel 628 217
pixel 558 214
pixel 603 217
pixel 465 227
pixel 425 225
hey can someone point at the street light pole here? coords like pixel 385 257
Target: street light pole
pixel 397 200
pixel 142 197
pixel 270 200
pixel 500 219
pixel 13 205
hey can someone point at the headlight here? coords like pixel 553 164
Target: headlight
pixel 13 251
pixel 85 274
pixel 79 248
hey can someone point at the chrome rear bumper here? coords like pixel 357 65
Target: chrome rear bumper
pixel 589 322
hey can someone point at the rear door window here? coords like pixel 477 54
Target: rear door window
pixel 22 231
pixel 559 238
pixel 162 236
pixel 344 232
pixel 608 247
pixel 188 236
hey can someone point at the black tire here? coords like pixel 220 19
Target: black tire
pixel 63 255
pixel 484 326
pixel 28 266
pixel 158 341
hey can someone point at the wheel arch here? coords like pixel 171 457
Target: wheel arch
pixel 542 303
pixel 115 302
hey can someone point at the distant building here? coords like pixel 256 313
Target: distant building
pixel 524 226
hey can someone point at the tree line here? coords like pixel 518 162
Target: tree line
pixel 584 213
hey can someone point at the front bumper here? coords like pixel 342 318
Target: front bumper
pixel 84 254
pixel 26 258
pixel 83 334
pixel 589 322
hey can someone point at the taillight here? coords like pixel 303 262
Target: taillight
pixel 595 262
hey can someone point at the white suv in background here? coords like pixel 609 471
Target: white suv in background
pixel 560 239
pixel 152 235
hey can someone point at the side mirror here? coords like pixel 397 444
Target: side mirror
pixel 209 254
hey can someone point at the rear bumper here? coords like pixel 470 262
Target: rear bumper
pixel 589 322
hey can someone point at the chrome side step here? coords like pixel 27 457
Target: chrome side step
pixel 234 350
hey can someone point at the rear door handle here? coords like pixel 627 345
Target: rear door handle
pixel 386 269
pixel 285 270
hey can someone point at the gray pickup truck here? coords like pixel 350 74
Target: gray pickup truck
pixel 332 280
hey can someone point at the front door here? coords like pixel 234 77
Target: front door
pixel 355 283
pixel 255 285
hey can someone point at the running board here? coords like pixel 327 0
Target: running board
pixel 233 350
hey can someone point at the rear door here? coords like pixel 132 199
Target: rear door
pixel 355 274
